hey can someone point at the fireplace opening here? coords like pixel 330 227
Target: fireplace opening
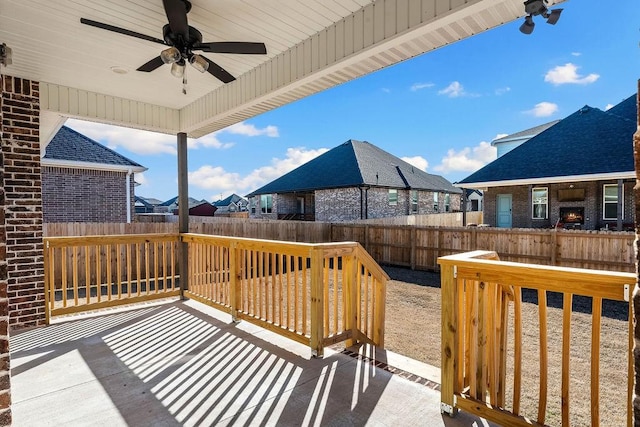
pixel 573 215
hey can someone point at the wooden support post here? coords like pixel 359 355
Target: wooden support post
pixel 449 329
pixel 317 303
pixel 183 211
pixel 413 244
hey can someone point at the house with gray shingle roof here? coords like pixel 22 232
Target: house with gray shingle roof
pixel 355 180
pixel 509 142
pixel 233 203
pixel 578 173
pixel 84 181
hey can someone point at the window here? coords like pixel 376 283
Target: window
pixel 540 201
pixel 447 202
pixel 610 201
pixel 435 202
pixel 254 202
pixel 393 197
pixel 414 201
pixel 266 203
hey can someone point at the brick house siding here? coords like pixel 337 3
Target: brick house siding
pixel 21 250
pixel 522 211
pixel 82 195
pixel 348 204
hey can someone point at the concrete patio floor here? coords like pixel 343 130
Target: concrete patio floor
pixel 182 363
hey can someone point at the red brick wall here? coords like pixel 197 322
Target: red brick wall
pixel 22 201
pixel 80 195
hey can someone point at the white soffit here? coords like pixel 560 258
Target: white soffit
pixel 312 45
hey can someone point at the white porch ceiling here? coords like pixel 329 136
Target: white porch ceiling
pixel 312 45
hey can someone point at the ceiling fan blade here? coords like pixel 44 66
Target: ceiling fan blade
pixel 247 48
pixel 151 65
pixel 119 30
pixel 218 72
pixel 176 11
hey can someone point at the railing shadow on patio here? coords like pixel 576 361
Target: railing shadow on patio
pixel 482 336
pixel 174 364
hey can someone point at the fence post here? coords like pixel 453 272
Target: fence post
pixel 234 280
pixel 449 325
pixel 413 243
pixel 317 303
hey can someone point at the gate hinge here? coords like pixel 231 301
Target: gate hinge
pixel 445 408
pixel 455 271
pixel 627 292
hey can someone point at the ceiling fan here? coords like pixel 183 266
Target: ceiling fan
pixel 182 40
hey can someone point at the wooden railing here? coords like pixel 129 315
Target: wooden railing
pixel 92 272
pixel 316 294
pixel 477 291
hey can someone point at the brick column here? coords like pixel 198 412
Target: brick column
pixel 22 201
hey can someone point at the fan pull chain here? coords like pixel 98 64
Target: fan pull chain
pixel 184 81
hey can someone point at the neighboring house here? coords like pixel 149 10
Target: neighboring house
pixel 578 173
pixel 355 180
pixel 507 143
pixel 146 204
pixel 196 207
pixel 233 203
pixel 474 200
pixel 84 181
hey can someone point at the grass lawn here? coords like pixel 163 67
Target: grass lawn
pixel 413 328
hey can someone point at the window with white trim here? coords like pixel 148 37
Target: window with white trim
pixel 540 203
pixel 393 197
pixel 266 203
pixel 414 201
pixel 610 202
pixel 435 202
pixel 447 202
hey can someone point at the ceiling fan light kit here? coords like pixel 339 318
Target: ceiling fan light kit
pixel 182 40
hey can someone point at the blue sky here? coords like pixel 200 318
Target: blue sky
pixel 439 111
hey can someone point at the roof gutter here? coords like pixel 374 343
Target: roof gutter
pixel 91 166
pixel 548 180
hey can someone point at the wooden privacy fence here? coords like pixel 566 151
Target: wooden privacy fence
pixel 481 297
pixel 91 272
pixel 420 247
pixel 410 246
pixel 316 294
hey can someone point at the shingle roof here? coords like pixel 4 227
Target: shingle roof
pixel 587 142
pixel 353 164
pixel 527 133
pixel 627 108
pixel 174 201
pixel 70 145
pixel 234 198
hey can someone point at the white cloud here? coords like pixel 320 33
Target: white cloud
pixel 576 53
pixel 502 90
pixel 219 180
pixel 419 86
pixel 141 179
pixel 417 161
pixel 454 90
pixel 469 159
pixel 608 107
pixel 500 135
pixel 146 143
pixel 247 129
pixel 568 74
pixel 386 90
pixel 543 109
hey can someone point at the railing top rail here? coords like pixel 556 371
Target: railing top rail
pixel 370 263
pixel 68 241
pixel 599 283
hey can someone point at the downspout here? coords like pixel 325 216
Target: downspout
pixel 128 191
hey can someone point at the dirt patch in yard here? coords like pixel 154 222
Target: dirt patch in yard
pixel 413 329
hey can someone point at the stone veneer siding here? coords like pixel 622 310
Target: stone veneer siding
pixel 82 195
pixel 21 250
pixel 521 210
